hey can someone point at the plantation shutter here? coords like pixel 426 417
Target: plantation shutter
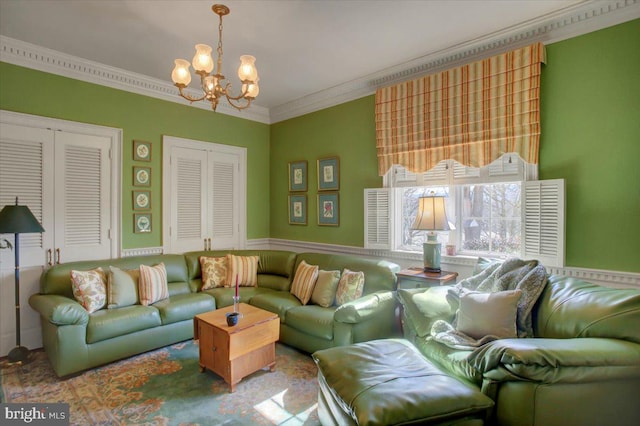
pixel 377 223
pixel 223 201
pixel 543 217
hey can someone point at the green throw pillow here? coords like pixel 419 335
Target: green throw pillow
pixel 489 314
pixel 324 293
pixel 122 287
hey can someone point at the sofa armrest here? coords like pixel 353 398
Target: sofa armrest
pixel 424 306
pixel 557 360
pixel 365 307
pixel 59 310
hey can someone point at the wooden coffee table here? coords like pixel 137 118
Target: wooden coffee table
pixel 235 352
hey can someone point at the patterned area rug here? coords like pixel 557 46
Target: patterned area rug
pixel 165 387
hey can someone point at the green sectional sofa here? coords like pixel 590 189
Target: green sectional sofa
pixel 581 368
pixel 75 340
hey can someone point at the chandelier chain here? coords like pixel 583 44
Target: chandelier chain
pixel 219 50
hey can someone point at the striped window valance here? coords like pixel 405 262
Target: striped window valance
pixel 472 114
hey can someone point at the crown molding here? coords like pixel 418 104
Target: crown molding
pixel 582 18
pixel 29 55
pixel 573 21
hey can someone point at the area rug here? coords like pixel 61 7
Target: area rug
pixel 166 387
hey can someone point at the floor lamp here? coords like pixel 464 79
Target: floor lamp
pixel 18 220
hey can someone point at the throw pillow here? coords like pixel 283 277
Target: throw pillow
pixel 153 285
pixel 89 288
pixel 324 292
pixel 122 287
pixel 350 286
pixel 304 281
pixel 489 314
pixel 243 270
pixel 214 272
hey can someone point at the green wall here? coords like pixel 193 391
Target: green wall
pixel 590 137
pixel 145 118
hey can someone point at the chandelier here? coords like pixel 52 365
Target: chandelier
pixel 214 86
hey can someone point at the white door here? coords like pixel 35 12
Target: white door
pixel 224 218
pixel 68 175
pixel 188 206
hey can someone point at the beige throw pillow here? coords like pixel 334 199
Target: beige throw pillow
pixel 153 285
pixel 90 288
pixel 304 281
pixel 214 272
pixel 324 293
pixel 489 314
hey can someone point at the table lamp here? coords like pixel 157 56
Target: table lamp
pixel 15 219
pixel 431 217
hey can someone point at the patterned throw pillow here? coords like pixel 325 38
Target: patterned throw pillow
pixel 89 288
pixel 214 272
pixel 244 269
pixel 350 287
pixel 153 285
pixel 122 287
pixel 324 292
pixel 304 281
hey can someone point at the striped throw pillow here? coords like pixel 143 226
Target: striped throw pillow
pixel 304 281
pixel 244 269
pixel 153 285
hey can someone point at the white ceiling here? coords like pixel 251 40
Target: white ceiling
pixel 302 46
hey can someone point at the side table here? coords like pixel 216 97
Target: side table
pixel 417 278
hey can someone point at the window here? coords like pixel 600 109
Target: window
pixel 486 206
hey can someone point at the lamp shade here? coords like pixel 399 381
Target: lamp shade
pixel 15 219
pixel 432 215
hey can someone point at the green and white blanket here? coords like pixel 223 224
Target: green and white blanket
pixel 513 274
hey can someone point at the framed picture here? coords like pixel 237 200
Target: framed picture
pixel 141 150
pixel 297 209
pixel 298 176
pixel 141 176
pixel 141 223
pixel 141 200
pixel 329 174
pixel 328 209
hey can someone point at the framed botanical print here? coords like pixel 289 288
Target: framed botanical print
pixel 328 209
pixel 141 176
pixel 298 176
pixel 141 223
pixel 141 200
pixel 329 174
pixel 141 150
pixel 297 209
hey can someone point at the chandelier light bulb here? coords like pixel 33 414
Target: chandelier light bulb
pixel 202 60
pixel 247 70
pixel 181 74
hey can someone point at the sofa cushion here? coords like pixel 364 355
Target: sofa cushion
pixel 324 293
pixel 152 285
pixel 350 286
pixel 90 288
pixel 304 281
pixel 224 296
pixel 184 307
pixel 109 323
pixel 278 302
pixel 122 287
pixel 214 272
pixel 455 361
pixel 312 319
pixel 489 314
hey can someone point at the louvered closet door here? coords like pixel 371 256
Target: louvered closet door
pixel 82 204
pixel 223 182
pixel 188 199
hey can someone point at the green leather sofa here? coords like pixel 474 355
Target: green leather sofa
pixel 582 367
pixel 75 340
